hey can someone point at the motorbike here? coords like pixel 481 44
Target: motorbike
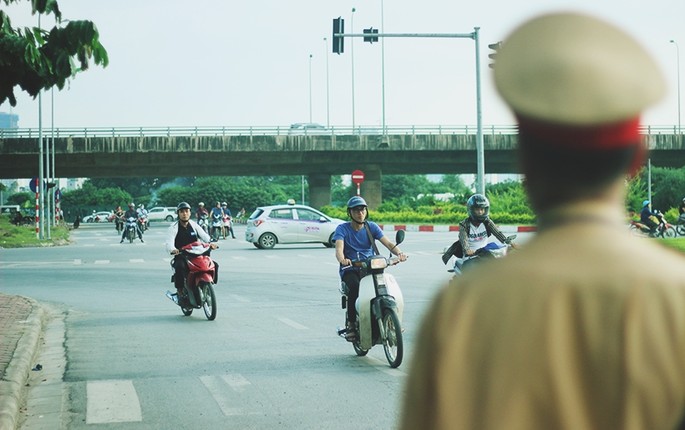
pixel 143 222
pixel 119 223
pixel 131 227
pixel 680 225
pixel 227 227
pixel 491 250
pixel 217 226
pixel 664 228
pixel 202 222
pixel 198 287
pixel 379 308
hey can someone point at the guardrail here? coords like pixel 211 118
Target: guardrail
pixel 16 133
pixel 249 131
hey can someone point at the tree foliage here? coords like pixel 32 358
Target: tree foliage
pixel 36 59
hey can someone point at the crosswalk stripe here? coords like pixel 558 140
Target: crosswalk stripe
pixel 293 324
pixel 220 396
pixel 112 401
pixel 101 262
pixel 136 260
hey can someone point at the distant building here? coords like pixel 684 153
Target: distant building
pixel 9 120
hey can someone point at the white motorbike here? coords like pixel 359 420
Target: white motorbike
pixel 379 308
pixel 491 250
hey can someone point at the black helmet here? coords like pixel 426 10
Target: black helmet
pixel 182 205
pixel 478 201
pixel 355 202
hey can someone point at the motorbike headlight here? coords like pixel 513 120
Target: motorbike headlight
pixel 378 263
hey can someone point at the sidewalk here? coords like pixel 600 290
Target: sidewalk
pixel 21 324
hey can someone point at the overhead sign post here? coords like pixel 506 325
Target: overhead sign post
pixel 371 35
pixel 358 179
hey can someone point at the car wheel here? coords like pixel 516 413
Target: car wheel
pixel 330 243
pixel 169 218
pixel 267 240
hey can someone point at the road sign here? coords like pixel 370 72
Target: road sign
pixel 33 184
pixel 357 177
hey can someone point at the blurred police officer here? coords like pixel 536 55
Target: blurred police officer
pixel 585 327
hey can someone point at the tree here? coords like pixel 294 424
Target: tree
pixel 36 59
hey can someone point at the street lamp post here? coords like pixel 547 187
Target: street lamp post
pixel 677 53
pixel 328 100
pixel 310 88
pixel 385 137
pixel 352 55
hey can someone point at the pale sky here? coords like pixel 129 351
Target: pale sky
pixel 227 63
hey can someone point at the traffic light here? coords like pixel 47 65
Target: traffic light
pixel 370 39
pixel 495 47
pixel 338 39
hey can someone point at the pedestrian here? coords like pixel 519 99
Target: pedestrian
pixel 583 328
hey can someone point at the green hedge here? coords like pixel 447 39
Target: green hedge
pixel 430 215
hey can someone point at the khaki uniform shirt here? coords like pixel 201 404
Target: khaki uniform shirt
pixel 583 328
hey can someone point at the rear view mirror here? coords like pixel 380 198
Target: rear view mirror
pixel 399 236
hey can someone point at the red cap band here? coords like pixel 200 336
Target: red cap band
pixel 606 136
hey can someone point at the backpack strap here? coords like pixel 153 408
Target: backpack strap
pixel 371 239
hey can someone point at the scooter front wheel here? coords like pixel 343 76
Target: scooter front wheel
pixel 186 311
pixel 209 300
pixel 392 344
pixel 358 349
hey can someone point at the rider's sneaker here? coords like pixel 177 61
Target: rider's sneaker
pixel 141 240
pixel 121 241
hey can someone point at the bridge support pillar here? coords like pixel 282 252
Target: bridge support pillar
pixel 319 190
pixel 371 187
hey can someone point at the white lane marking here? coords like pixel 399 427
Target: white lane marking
pixel 136 260
pixel 101 262
pixel 238 257
pixel 113 401
pixel 237 382
pixel 293 324
pixel 237 298
pixel 220 396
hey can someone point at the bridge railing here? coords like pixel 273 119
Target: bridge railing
pixel 62 132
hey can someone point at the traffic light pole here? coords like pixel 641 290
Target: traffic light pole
pixel 480 152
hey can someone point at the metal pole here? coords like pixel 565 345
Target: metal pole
pixel 328 100
pixel 310 88
pixel 39 188
pixel 649 179
pixel 480 152
pixel 383 74
pixel 677 53
pixel 352 52
pixel 52 169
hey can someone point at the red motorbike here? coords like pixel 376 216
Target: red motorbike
pixel 198 288
pixel 663 229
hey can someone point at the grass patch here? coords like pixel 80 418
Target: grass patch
pixel 677 243
pixel 12 236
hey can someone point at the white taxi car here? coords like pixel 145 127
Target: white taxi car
pixel 290 223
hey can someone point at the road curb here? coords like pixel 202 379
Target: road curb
pixel 448 228
pixel 17 372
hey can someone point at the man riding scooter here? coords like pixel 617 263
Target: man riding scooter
pixel 181 233
pixel 353 242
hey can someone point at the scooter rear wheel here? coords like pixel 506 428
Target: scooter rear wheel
pixel 392 344
pixel 209 303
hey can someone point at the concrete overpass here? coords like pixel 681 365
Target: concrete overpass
pixel 169 152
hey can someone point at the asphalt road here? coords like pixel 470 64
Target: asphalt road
pixel 271 359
